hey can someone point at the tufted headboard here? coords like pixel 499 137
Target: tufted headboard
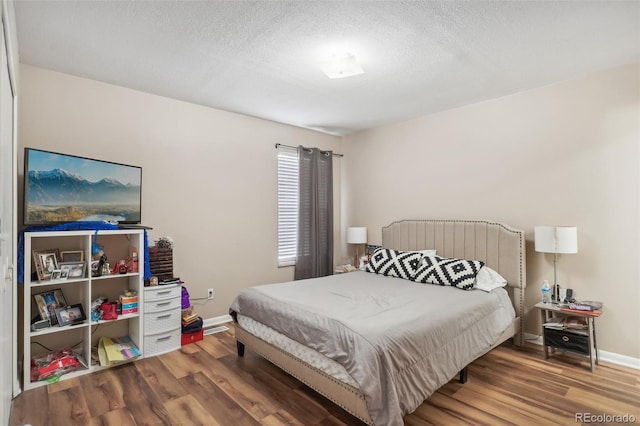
pixel 499 246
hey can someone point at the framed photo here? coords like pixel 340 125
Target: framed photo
pixel 73 314
pixel 55 275
pixel 72 256
pixel 46 261
pixel 72 269
pixel 47 303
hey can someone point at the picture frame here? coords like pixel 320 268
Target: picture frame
pixel 45 261
pixel 69 315
pixel 55 275
pixel 47 302
pixel 73 270
pixel 72 256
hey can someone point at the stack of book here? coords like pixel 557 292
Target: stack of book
pixel 573 324
pixel 189 317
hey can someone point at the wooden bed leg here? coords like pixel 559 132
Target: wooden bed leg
pixel 463 375
pixel 240 348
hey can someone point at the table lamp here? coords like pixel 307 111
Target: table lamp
pixel 556 240
pixel 357 235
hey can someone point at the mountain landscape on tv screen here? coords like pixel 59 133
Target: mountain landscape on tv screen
pixel 59 196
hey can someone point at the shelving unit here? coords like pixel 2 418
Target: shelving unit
pixel 117 245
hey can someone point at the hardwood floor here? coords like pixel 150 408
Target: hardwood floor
pixel 207 384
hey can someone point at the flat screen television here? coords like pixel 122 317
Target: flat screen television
pixel 60 188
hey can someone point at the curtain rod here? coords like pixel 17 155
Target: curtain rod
pixel 295 147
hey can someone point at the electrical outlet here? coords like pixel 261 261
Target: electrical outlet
pixel 209 293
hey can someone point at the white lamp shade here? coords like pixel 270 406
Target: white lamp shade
pixel 556 239
pixel 357 235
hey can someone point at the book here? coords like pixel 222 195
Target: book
pixel 595 313
pixel 557 323
pixel 581 331
pixel 578 323
pixel 587 305
pixel 111 351
pixel 186 323
pixel 190 318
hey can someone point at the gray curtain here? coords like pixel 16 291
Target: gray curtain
pixel 315 214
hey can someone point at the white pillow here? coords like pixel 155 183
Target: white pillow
pixel 488 279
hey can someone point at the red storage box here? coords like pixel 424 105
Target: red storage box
pixel 196 336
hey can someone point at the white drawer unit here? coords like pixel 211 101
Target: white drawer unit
pixel 162 292
pixel 162 319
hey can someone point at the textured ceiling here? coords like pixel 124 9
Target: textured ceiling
pixel 263 58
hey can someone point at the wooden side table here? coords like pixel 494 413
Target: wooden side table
pixel 567 340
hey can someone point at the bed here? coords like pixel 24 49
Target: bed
pixel 378 346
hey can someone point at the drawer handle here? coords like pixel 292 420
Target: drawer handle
pixel 163 338
pixel 164 316
pixel 565 339
pixel 164 292
pixel 164 303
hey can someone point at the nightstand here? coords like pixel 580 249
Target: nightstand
pixel 581 342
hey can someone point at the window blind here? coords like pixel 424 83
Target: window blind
pixel 287 207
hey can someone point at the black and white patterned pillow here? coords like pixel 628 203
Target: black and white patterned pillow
pixel 394 263
pixel 460 273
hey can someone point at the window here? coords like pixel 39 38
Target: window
pixel 287 207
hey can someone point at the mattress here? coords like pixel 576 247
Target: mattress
pixel 398 340
pixel 303 353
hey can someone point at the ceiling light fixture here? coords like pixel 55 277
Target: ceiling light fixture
pixel 341 66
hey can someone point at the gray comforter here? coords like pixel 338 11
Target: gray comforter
pixel 399 340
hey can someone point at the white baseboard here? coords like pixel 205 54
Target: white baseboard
pixel 215 321
pixel 613 358
pixel 625 361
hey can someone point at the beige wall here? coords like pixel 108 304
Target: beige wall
pixel 565 154
pixel 209 176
